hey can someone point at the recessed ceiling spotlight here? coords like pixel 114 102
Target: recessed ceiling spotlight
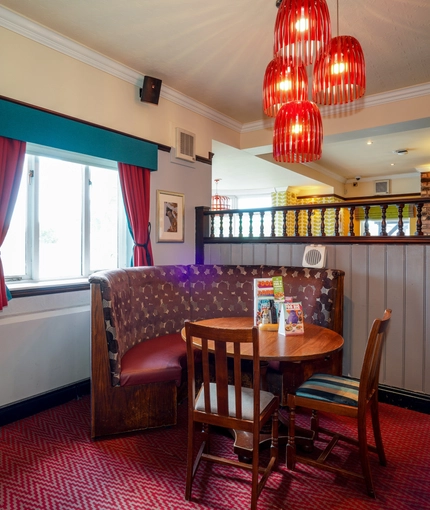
pixel 369 142
pixel 392 164
pixel 401 152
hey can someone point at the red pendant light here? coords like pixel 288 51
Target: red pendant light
pixel 283 82
pixel 298 133
pixel 339 75
pixel 302 28
pixel 219 202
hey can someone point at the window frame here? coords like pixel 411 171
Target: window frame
pixel 30 283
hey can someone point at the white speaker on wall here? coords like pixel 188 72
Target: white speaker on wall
pixel 314 256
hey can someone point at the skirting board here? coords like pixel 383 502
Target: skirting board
pixel 388 395
pixel 33 405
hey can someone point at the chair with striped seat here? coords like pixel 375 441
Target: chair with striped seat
pixel 346 397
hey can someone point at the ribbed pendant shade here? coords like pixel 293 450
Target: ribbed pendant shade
pixel 283 82
pixel 302 28
pixel 298 133
pixel 339 74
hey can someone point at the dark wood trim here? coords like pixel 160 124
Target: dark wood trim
pixel 367 197
pixel 28 407
pixel 416 196
pixel 207 161
pixel 411 400
pixel 330 195
pixel 49 289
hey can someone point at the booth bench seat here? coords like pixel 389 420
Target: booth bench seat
pixel 138 358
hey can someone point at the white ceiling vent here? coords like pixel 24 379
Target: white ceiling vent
pixel 185 145
pixel 382 187
pixel 314 256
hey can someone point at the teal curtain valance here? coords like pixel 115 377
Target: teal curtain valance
pixel 29 124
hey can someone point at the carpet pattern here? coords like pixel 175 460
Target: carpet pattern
pixel 48 462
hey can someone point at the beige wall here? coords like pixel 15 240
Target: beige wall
pixel 41 76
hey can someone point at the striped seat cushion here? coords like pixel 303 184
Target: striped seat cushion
pixel 330 388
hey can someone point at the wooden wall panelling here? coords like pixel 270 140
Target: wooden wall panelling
pixel 285 255
pixel 360 311
pixel 377 299
pixel 426 309
pixel 260 253
pixel 395 282
pixel 248 255
pixel 236 254
pixel 414 317
pixel 272 255
pixel 297 254
pixel 377 276
pixel 342 260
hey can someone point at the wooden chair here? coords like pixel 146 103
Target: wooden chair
pixel 346 397
pixel 228 405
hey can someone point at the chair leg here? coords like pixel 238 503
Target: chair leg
pixel 255 463
pixel 291 445
pixel 315 423
pixel 374 408
pixel 190 452
pixel 274 447
pixel 364 454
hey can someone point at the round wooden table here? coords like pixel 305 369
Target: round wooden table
pixel 296 357
pixel 315 343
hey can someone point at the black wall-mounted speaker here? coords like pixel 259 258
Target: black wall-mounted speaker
pixel 150 92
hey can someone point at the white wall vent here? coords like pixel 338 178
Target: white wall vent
pixel 382 187
pixel 314 256
pixel 185 145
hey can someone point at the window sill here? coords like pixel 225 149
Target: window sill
pixel 26 289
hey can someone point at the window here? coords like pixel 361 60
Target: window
pixel 69 219
pixel 392 227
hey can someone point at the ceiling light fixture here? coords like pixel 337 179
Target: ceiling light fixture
pixel 303 33
pixel 302 27
pixel 283 82
pixel 339 74
pixel 298 133
pixel 219 202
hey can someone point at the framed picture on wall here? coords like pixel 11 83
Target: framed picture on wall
pixel 170 217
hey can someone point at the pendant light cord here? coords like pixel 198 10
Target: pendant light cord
pixel 337 17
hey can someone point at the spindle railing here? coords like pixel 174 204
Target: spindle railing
pixel 270 225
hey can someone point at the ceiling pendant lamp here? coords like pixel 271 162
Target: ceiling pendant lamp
pixel 339 74
pixel 219 202
pixel 302 28
pixel 298 133
pixel 283 82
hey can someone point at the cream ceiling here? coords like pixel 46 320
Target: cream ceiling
pixel 217 52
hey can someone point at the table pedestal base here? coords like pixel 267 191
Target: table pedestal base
pixel 243 440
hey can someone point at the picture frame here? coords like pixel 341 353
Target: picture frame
pixel 170 217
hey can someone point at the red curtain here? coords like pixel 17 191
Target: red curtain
pixel 135 185
pixel 12 154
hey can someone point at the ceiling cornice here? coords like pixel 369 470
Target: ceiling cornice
pixel 38 33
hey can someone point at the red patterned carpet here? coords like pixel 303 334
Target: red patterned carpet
pixel 48 461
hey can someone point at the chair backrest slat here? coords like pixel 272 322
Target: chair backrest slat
pixel 221 377
pixel 206 373
pixel 237 374
pixel 369 378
